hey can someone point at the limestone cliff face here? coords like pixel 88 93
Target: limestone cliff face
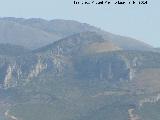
pixel 8 77
pixel 19 73
pixel 131 65
pixel 29 68
pixel 38 68
pixel 152 99
pixel 12 76
pixel 111 66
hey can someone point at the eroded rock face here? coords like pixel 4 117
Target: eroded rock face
pixel 102 67
pixel 69 58
pixel 8 77
pixel 25 70
pixel 151 99
pixel 11 76
pixel 38 68
pixel 113 67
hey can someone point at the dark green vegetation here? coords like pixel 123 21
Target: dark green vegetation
pixel 88 74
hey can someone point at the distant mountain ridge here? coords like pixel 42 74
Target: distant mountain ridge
pixel 35 33
pixel 39 32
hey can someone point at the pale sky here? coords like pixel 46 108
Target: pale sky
pixel 138 21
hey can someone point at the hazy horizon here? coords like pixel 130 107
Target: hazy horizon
pixel 136 21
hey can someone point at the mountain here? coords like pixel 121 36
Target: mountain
pixel 86 42
pixel 85 75
pixel 69 84
pixel 35 33
pixel 14 33
pixel 157 49
pixel 89 86
pixel 12 50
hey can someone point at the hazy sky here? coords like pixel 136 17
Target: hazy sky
pixel 138 21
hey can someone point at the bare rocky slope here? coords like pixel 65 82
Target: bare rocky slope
pixel 82 76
